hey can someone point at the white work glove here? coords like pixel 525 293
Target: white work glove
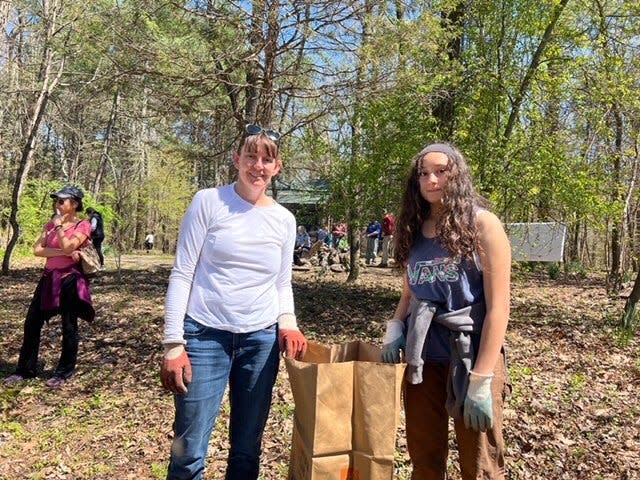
pixel 393 341
pixel 478 405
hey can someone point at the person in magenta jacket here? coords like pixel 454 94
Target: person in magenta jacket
pixel 63 289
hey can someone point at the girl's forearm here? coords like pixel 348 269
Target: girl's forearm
pixel 403 305
pixel 493 334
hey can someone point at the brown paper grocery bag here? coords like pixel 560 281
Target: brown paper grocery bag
pixel 377 391
pixel 346 403
pixel 323 397
pixel 305 466
pixel 368 467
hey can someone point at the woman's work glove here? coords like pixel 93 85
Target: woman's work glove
pixel 175 372
pixel 290 338
pixel 478 406
pixel 394 341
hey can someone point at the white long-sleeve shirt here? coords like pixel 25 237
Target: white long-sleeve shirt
pixel 233 265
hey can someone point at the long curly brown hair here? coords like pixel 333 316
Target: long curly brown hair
pixel 456 229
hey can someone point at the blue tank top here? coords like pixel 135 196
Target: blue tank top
pixel 452 283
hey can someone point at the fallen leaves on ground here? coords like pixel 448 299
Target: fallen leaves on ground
pixel 573 412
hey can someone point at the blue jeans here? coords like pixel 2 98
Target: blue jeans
pixel 249 363
pixel 372 249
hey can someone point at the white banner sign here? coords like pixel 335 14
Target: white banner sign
pixel 536 242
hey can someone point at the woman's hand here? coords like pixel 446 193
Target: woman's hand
pixel 75 256
pixel 175 370
pixel 290 339
pixel 57 219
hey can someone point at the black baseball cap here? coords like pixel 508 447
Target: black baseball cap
pixel 69 191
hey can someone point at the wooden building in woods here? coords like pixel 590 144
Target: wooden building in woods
pixel 306 199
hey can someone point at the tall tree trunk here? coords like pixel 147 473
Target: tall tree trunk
pixel 552 130
pixel 614 279
pixel 353 211
pixel 256 39
pixel 635 221
pixel 265 114
pixel 106 147
pixel 444 110
pixel 531 70
pixel 628 213
pixel 48 82
pixel 142 222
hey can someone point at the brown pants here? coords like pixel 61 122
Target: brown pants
pixel 481 453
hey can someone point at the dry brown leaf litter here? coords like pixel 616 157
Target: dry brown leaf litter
pixel 573 413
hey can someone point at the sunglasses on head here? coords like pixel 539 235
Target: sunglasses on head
pixel 253 129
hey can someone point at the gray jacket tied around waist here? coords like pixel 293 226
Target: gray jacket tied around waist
pixel 461 323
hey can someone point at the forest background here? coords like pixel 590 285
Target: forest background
pixel 141 103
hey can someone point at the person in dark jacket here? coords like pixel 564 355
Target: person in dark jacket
pixel 97 231
pixel 374 232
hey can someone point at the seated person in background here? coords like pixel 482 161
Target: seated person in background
pixel 322 234
pixel 328 240
pixel 339 232
pixel 303 243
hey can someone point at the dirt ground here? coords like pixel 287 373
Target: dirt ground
pixel 573 413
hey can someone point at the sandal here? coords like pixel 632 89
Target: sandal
pixel 55 382
pixel 13 379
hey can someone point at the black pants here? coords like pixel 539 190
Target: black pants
pixel 33 325
pixel 97 243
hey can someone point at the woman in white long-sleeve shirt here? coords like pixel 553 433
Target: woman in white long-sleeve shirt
pixel 229 310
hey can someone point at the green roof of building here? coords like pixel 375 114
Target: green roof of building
pixel 301 192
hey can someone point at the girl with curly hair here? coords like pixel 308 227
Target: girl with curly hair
pixel 451 318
